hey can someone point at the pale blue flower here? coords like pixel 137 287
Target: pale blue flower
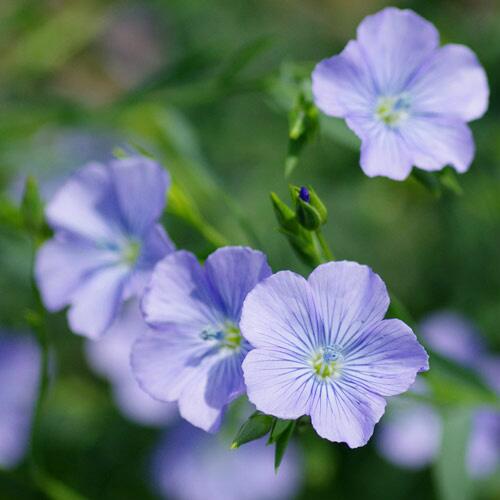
pixel 405 97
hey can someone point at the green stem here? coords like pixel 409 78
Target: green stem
pixel 325 249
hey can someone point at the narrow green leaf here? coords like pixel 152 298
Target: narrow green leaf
pixel 257 426
pixel 452 479
pixel 282 443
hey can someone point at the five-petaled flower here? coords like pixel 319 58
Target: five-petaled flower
pixel 194 350
pixel 322 348
pixel 406 98
pixel 106 242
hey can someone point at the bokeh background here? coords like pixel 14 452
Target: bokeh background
pixel 206 88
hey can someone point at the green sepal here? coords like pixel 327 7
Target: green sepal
pixel 257 426
pixel 284 214
pixel 282 442
pixel 279 427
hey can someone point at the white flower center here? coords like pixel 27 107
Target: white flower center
pixel 393 110
pixel 327 362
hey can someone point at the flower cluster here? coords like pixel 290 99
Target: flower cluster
pixel 169 330
pixel 318 347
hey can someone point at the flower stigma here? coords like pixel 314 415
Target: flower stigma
pixel 131 252
pixel 327 362
pixel 393 110
pixel 228 336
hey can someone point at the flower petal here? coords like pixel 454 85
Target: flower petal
pixel 86 205
pixel 280 312
pixel 95 304
pixel 180 294
pixel 141 186
pixel 348 297
pixel 384 359
pixel 278 382
pixel 341 413
pixel 155 246
pixel 395 44
pixel 341 85
pixel 383 150
pixel 451 82
pixel 62 265
pixel 163 362
pixel 436 141
pixel 218 381
pixel 233 272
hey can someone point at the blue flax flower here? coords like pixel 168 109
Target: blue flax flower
pixel 106 242
pixel 194 351
pixel 405 97
pixel 322 348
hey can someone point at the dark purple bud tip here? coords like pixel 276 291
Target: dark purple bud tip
pixel 304 194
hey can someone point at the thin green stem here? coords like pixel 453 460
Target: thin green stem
pixel 325 249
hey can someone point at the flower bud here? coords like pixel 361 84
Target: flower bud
pixel 309 209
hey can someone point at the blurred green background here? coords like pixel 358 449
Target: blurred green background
pixel 206 88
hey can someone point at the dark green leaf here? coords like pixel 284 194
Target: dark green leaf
pixel 257 426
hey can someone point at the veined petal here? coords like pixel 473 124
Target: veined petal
pixel 348 297
pixel 164 362
pixel 395 44
pixel 452 82
pixel 62 265
pixel 342 413
pixel 179 293
pixel 233 272
pixel 218 381
pixel 436 141
pixel 383 151
pixel 141 187
pixel 278 382
pixel 96 303
pixel 342 85
pixel 384 358
pixel 280 311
